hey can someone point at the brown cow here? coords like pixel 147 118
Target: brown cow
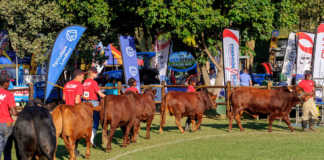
pixel 118 111
pixel 275 102
pixel 73 123
pixel 145 110
pixel 190 104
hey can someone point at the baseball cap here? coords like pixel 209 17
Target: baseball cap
pixel 93 69
pixel 4 77
pixel 307 72
pixel 77 72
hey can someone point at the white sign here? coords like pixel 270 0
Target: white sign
pixel 304 52
pixel 289 67
pixel 231 54
pixel 162 49
pixel 318 64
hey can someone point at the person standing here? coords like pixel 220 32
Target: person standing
pixel 310 113
pixel 191 88
pixel 73 90
pixel 132 86
pixel 7 110
pixel 111 83
pixel 90 91
pixel 245 78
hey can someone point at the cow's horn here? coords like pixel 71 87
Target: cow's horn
pixel 290 88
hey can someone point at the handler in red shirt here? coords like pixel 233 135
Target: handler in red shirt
pixel 7 110
pixel 90 91
pixel 132 85
pixel 310 113
pixel 73 90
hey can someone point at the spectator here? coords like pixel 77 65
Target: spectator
pixel 111 83
pixel 245 78
pixel 73 90
pixel 132 85
pixel 212 76
pixel 310 113
pixel 7 111
pixel 90 91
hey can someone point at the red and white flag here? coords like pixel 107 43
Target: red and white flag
pixel 304 51
pixel 160 61
pixel 231 52
pixel 318 63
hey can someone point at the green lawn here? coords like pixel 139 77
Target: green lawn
pixel 213 142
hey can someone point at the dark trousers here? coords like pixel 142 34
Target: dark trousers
pixel 5 133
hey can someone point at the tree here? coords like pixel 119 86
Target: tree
pixel 196 23
pixel 32 26
pixel 96 15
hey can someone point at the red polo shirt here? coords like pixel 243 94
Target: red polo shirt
pixel 191 89
pixel 90 89
pixel 7 101
pixel 306 85
pixel 71 90
pixel 132 89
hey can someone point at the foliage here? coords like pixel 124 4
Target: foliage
pixel 186 20
pixel 96 16
pixel 32 25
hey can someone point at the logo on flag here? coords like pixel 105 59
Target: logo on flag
pixel 71 35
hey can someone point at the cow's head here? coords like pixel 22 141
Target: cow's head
pixel 150 91
pixel 209 98
pixel 297 92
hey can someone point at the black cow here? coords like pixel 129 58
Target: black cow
pixel 34 134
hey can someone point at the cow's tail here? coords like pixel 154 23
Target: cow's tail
pixel 229 101
pixel 104 121
pixel 164 109
pixel 57 117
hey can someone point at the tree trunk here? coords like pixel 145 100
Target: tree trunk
pixel 251 45
pixel 205 75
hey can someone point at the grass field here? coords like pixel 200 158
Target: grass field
pixel 213 142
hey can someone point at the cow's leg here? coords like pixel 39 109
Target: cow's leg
pixel 230 124
pixel 88 142
pixel 111 134
pixel 193 123
pixel 67 143
pixel 287 120
pixel 126 134
pixel 178 122
pixel 238 120
pixel 271 119
pixel 135 131
pixel 104 135
pixel 72 148
pixel 199 117
pixel 148 127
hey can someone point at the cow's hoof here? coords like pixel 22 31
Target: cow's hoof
pixel 87 156
pixel 108 150
pixel 269 130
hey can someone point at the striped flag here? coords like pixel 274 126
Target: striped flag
pixel 116 53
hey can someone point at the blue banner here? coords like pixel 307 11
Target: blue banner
pixel 64 45
pixel 127 45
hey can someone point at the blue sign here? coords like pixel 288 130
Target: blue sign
pixel 181 61
pixel 64 45
pixel 127 45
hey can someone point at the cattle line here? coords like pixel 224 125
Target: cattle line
pixel 190 139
